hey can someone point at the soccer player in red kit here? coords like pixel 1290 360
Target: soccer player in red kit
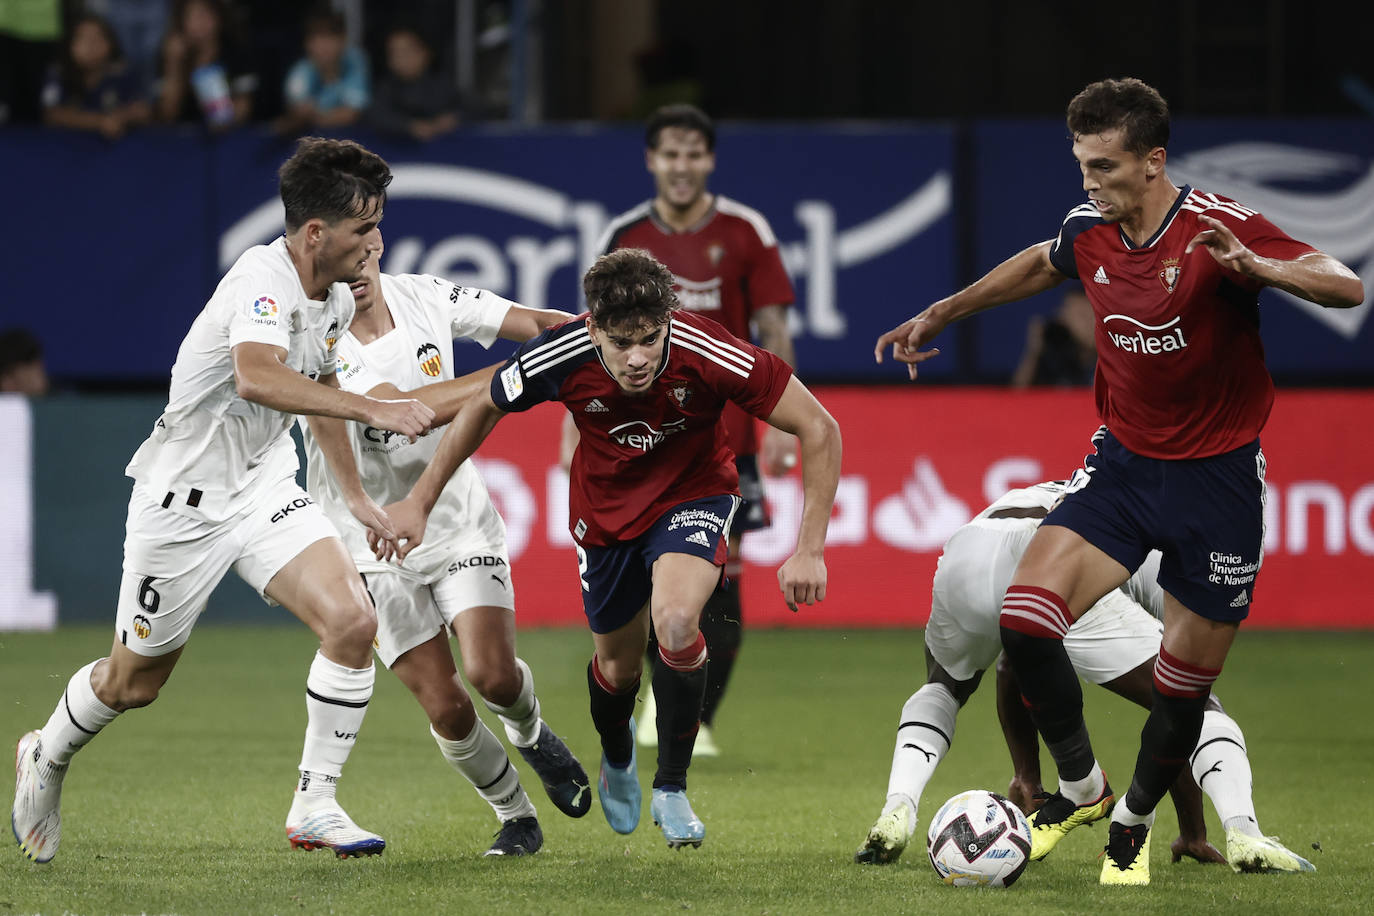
pixel 726 266
pixel 1173 275
pixel 652 499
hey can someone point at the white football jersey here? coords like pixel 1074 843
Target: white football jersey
pixel 208 438
pixel 429 313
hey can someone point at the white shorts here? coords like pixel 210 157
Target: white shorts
pixel 173 561
pixel 1113 637
pixel 411 612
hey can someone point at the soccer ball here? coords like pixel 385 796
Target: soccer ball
pixel 979 839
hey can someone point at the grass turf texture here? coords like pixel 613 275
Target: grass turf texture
pixel 179 808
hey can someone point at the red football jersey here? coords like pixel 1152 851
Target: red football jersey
pixel 1180 364
pixel 727 266
pixel 640 455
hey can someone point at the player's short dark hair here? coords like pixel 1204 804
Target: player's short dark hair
pixel 1135 107
pixel 332 180
pixel 323 19
pixel 687 117
pixel 627 288
pixel 18 346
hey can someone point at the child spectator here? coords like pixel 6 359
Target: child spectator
pixel 206 74
pixel 90 88
pixel 329 87
pixel 411 99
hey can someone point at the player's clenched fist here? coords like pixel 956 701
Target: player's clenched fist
pixel 409 417
pixel 802 579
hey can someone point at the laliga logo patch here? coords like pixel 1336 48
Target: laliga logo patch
pixel 512 381
pixel 265 306
pixel 682 394
pixel 1168 275
pixel 430 363
pixel 142 627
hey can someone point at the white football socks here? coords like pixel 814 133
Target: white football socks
pixel 336 699
pixel 1124 816
pixel 78 718
pixel 1222 768
pixel 521 718
pixel 923 738
pixel 1087 789
pixel 482 760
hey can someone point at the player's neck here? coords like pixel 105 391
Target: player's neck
pixel 1155 205
pixel 372 323
pixel 682 220
pixel 315 288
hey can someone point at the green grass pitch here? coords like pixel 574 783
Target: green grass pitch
pixel 179 808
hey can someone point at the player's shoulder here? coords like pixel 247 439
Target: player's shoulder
pixel 1197 202
pixel 558 349
pixel 1081 218
pixel 617 228
pixel 264 274
pixel 708 342
pixel 731 209
pixel 268 263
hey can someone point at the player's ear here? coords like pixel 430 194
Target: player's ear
pixel 1154 161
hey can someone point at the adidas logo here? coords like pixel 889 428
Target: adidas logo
pixel 699 537
pixel 596 407
pixel 1101 276
pixel 1240 600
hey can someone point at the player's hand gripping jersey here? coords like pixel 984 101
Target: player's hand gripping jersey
pixel 1180 365
pixel 429 313
pixel 211 449
pixel 641 455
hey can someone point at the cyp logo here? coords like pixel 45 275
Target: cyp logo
pixel 265 306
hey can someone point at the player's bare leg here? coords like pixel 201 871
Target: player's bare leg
pixel 1059 577
pixel 613 683
pixel 468 745
pixel 722 623
pixel 322 587
pixel 94 696
pixel 1026 790
pixel 486 637
pixel 682 585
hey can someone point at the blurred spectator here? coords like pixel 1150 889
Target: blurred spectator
pixel 29 35
pixel 206 73
pixel 410 98
pixel 329 87
pixel 21 363
pixel 140 25
pixel 1060 349
pixel 90 88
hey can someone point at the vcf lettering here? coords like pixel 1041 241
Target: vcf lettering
pixel 300 502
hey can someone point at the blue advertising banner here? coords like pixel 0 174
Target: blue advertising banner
pixel 1313 179
pixel 864 216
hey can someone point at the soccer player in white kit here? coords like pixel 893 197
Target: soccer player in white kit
pixel 215 488
pixel 460 580
pixel 1113 645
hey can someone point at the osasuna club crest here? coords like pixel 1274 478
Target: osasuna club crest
pixel 1168 274
pixel 682 394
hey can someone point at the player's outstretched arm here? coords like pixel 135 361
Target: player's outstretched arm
pixel 471 425
pixel 1315 276
pixel 803 576
pixel 778 450
pixel 521 323
pixel 262 376
pixel 1023 274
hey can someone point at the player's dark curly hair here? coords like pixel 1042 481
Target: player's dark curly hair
pixel 687 117
pixel 1134 106
pixel 332 180
pixel 628 289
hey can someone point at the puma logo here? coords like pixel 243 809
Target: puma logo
pixel 577 799
pixel 916 747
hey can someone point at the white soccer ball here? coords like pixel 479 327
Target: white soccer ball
pixel 978 839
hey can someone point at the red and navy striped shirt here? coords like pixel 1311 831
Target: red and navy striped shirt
pixel 640 455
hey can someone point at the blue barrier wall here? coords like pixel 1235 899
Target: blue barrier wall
pixel 115 246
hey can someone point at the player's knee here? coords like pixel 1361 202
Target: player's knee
pixel 677 626
pixel 620 673
pixel 497 682
pixel 349 618
pixel 450 712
